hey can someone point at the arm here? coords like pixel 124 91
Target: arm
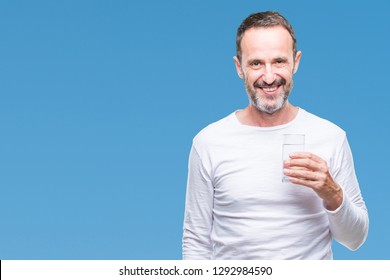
pixel 349 223
pixel 198 211
pixel 347 213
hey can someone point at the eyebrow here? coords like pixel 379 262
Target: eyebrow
pixel 250 61
pixel 282 58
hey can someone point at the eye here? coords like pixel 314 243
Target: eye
pixel 280 62
pixel 256 64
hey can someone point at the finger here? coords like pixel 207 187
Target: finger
pixel 303 164
pixel 304 174
pixel 303 182
pixel 302 177
pixel 306 155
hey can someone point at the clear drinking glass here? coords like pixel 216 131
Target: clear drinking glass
pixel 292 143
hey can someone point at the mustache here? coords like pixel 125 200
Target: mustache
pixel 277 82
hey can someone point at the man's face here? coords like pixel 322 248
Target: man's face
pixel 267 66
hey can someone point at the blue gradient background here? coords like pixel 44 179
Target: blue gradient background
pixel 100 100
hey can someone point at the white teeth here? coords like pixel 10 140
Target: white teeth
pixel 270 89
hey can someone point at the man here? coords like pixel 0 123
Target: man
pixel 237 206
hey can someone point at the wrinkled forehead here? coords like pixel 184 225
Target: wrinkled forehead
pixel 274 39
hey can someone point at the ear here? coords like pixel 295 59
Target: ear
pixel 238 67
pixel 296 62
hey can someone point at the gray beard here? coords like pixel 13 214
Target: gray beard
pixel 259 104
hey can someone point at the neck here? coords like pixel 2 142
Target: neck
pixel 253 117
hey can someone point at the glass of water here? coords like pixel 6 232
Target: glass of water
pixel 292 143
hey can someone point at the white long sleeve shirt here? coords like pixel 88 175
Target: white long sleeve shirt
pixel 237 206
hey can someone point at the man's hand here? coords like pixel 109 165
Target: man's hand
pixel 312 171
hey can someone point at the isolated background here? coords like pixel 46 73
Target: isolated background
pixel 100 100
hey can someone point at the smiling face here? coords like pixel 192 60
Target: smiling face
pixel 267 66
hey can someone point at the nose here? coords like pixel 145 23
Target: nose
pixel 269 75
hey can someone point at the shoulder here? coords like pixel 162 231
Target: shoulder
pixel 215 131
pixel 321 125
pixel 323 137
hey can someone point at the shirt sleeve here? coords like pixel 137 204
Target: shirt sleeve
pixel 349 223
pixel 198 218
